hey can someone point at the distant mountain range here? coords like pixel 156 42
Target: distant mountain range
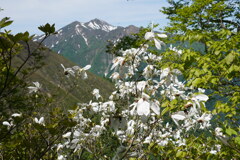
pixel 85 43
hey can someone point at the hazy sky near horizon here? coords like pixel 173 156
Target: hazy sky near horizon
pixel 29 14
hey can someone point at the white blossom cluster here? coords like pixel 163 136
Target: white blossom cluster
pixel 10 122
pixel 76 70
pixel 142 85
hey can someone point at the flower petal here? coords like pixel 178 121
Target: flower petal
pixel 143 107
pixel 87 67
pixel 158 43
pixel 5 123
pixel 67 135
pixel 164 73
pixel 155 107
pixel 202 97
pixel 162 35
pixel 149 35
pixel 179 115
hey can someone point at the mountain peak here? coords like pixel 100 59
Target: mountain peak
pixel 100 24
pixel 98 21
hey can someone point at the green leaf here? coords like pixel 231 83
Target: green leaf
pixel 229 59
pixel 47 29
pixel 197 81
pixel 165 110
pixel 181 154
pixel 231 131
pixel 237 140
pixel 5 22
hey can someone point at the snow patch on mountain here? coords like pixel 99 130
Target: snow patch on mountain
pixel 108 28
pixel 82 24
pixel 78 32
pixel 94 25
pixel 104 27
pixel 85 39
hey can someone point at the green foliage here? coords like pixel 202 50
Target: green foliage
pixel 47 29
pixel 216 26
pixel 21 137
pixel 5 22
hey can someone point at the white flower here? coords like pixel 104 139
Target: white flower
pixel 152 57
pixel 143 107
pixel 163 142
pixel 68 71
pixel 179 52
pixel 82 71
pixel 6 123
pixel 148 139
pixel 151 36
pixel 76 134
pixel 205 117
pixel 154 105
pixel 61 157
pixel 141 85
pixel 201 90
pixel 148 71
pixel 115 76
pixel 213 152
pixel 110 105
pixel 67 135
pixel 180 115
pixel 204 120
pixel 164 73
pixel 117 61
pixel 218 131
pixel 162 35
pixel 95 106
pixel 201 97
pixel 35 88
pixel 130 127
pixel 59 146
pixel 39 121
pixel 181 142
pixel 16 115
pixel 95 92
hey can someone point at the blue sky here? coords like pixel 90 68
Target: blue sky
pixel 29 14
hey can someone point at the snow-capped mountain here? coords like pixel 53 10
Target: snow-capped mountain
pixel 85 43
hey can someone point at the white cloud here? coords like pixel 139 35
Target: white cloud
pixel 28 14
